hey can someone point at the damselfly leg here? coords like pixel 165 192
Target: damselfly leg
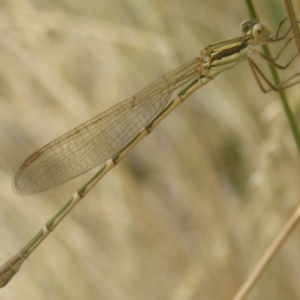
pixel 259 75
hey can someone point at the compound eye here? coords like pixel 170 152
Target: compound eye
pixel 246 26
pixel 260 32
pixel 257 30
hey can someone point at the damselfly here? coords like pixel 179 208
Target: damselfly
pixel 108 137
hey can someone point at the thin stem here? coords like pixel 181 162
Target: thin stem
pixel 273 249
pixel 268 256
pixel 292 18
pixel 275 76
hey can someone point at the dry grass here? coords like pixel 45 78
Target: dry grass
pixel 187 213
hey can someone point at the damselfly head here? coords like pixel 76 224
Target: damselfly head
pixel 256 31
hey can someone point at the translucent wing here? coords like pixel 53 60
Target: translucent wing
pixel 100 138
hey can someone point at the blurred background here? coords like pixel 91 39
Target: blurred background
pixel 192 208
